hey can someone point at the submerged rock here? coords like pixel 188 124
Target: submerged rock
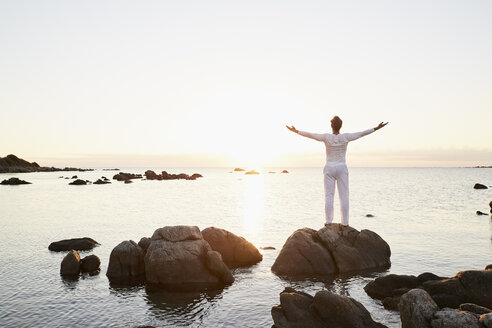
pixel 99 181
pixel 14 182
pixel 79 244
pixel 236 251
pixel 480 186
pixel 70 265
pixel 325 309
pixel 78 182
pixel 126 263
pixel 178 258
pixel 252 172
pixel 330 250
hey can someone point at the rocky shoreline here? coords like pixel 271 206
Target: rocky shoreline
pixel 14 164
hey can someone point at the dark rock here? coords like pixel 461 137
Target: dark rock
pixel 151 175
pixel 485 320
pixel 99 181
pixel 90 264
pixel 70 265
pixel 267 248
pixel 217 266
pixel 391 303
pixel 481 213
pixel 488 267
pixel 369 216
pixel 236 251
pixel 128 181
pixel 252 172
pixel 196 176
pixel 385 286
pixel 78 182
pixel 284 171
pixel 479 186
pixel 79 244
pixel 447 301
pixel 449 318
pixel 470 307
pixel 126 263
pixel 426 276
pixel 330 250
pixel 325 309
pixel 144 243
pixel 472 286
pixel 416 309
pixel 75 177
pixel 237 169
pixel 126 176
pixel 14 181
pixel 13 164
pixel 178 258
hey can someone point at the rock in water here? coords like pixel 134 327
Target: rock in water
pixel 479 186
pixel 79 244
pixel 178 258
pixel 78 182
pixel 325 309
pixel 416 309
pixel 330 250
pixel 472 286
pixel 90 264
pixel 304 255
pixel 14 182
pixel 70 265
pixel 126 263
pixel 236 251
pixel 385 286
pixel 99 181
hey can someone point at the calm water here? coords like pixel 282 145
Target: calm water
pixel 427 215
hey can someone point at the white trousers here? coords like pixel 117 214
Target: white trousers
pixel 336 173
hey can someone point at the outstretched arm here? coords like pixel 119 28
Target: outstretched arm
pixel 315 136
pixel 357 135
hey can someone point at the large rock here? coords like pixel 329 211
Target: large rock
pixel 126 263
pixel 449 318
pixel 178 258
pixel 416 309
pixel 78 182
pixel 485 320
pixel 325 309
pixel 70 265
pixel 90 264
pixel 236 251
pixel 151 175
pixel 79 244
pixel 330 250
pixel 14 182
pixel 472 286
pixel 122 176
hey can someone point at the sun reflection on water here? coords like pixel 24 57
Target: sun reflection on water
pixel 254 198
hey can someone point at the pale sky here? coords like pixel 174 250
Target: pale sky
pixel 213 83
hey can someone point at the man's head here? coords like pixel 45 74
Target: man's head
pixel 336 123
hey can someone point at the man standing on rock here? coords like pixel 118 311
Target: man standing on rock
pixel 335 169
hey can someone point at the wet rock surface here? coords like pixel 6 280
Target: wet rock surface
pixel 79 244
pixel 14 182
pixel 331 250
pixel 325 309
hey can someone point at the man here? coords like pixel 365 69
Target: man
pixel 335 169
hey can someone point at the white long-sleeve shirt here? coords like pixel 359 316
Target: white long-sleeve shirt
pixel 336 144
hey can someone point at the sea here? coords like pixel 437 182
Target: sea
pixel 426 215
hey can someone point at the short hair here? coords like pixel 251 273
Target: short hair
pixel 336 123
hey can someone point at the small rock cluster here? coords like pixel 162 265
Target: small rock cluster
pixel 181 258
pixel 126 176
pixel 151 175
pixel 72 265
pixel 419 310
pixel 325 309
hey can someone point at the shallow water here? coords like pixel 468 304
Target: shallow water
pixel 427 216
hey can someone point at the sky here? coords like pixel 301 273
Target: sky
pixel 213 83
